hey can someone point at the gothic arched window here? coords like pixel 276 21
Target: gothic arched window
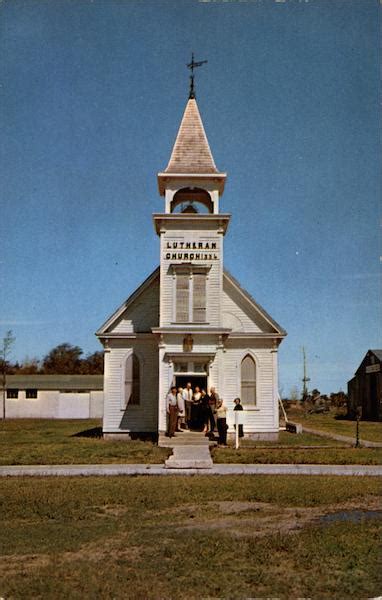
pixel 248 380
pixel 132 383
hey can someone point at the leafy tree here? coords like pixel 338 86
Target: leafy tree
pixel 63 359
pixel 93 364
pixel 29 366
pixel 339 399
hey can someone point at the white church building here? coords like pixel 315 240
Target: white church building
pixel 190 321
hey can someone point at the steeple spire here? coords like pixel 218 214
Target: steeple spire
pixel 191 152
pixel 192 65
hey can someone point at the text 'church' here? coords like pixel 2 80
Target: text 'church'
pixel 190 321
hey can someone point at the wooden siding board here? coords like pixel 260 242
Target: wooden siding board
pixel 142 417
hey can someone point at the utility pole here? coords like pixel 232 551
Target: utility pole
pixel 305 378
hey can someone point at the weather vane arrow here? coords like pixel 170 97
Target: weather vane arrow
pixel 192 65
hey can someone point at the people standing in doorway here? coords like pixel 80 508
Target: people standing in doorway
pixel 181 415
pixel 172 411
pixel 196 412
pixel 187 397
pixel 205 409
pixel 221 420
pixel 208 416
pixel 214 397
pixel 238 406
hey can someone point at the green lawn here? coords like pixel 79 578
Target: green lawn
pixel 370 431
pixel 293 455
pixel 189 537
pixel 28 441
pixel 45 441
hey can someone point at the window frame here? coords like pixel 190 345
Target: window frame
pixel 190 271
pixel 134 381
pixel 248 384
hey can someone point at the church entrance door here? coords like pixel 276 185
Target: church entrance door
pixel 200 381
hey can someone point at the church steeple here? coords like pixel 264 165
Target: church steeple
pixel 191 152
pixel 191 162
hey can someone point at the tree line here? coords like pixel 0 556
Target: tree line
pixel 64 359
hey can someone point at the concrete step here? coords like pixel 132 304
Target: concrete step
pixel 185 438
pixel 190 457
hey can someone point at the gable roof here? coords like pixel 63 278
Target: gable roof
pixel 367 359
pixel 191 152
pixel 102 331
pixel 252 302
pixel 277 329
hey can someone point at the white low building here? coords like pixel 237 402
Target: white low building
pixel 190 320
pixel 53 396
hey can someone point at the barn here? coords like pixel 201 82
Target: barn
pixel 365 388
pixel 190 320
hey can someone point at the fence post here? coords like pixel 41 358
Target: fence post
pixel 359 412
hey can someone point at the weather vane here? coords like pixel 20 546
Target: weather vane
pixel 192 65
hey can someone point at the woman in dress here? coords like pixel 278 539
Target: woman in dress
pixel 221 420
pixel 196 408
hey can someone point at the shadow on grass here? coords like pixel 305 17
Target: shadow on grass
pixel 95 432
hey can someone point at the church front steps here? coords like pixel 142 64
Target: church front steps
pixel 190 457
pixel 184 438
pixel 191 450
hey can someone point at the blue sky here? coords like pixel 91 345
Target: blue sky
pixel 92 93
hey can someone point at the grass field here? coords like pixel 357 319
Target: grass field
pixel 370 431
pixel 28 441
pixel 295 455
pixel 190 537
pixel 45 441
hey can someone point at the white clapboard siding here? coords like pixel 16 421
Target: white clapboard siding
pixel 142 314
pixel 261 416
pixel 238 314
pixel 142 417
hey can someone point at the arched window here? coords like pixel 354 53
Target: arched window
pixel 248 380
pixel 132 383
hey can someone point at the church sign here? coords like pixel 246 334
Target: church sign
pixel 191 251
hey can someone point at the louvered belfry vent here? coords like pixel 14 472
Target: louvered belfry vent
pixel 199 298
pixel 191 297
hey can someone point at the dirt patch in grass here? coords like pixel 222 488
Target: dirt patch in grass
pixel 260 519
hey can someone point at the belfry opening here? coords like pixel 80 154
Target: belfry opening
pixel 192 200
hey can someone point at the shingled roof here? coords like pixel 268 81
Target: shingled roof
pixel 191 152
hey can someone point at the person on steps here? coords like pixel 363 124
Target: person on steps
pixel 172 411
pixel 221 420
